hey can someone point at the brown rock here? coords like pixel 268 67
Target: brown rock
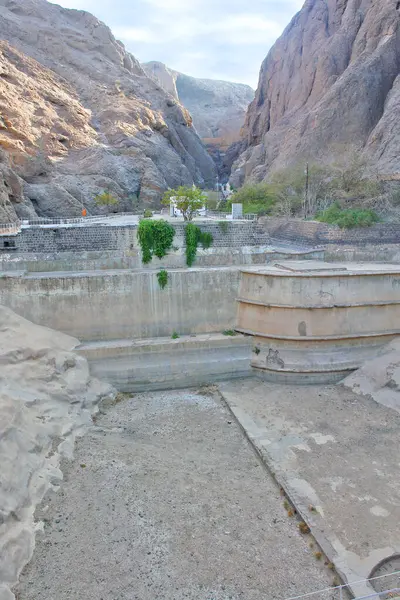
pixel 75 104
pixel 331 81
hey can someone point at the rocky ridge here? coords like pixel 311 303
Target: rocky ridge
pixel 79 115
pixel 218 108
pixel 330 82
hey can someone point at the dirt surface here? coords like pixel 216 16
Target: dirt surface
pixel 166 500
pixel 337 452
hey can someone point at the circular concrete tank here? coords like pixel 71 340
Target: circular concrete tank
pixel 315 321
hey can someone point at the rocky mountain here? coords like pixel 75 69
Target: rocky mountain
pixel 218 108
pixel 330 83
pixel 79 115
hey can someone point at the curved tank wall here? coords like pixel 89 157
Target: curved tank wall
pixel 316 322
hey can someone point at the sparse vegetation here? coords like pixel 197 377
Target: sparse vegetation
pixel 230 332
pixel 296 192
pixel 348 218
pixel 259 198
pixel 162 277
pixel 175 336
pixel 106 199
pixel 188 200
pixel 318 555
pixel 155 238
pixel 194 236
pixel 303 528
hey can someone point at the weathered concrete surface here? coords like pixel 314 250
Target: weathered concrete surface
pixel 111 260
pixel 312 319
pixel 166 501
pixel 165 363
pixel 124 304
pixel 337 452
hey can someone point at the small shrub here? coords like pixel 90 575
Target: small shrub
pixel 155 238
pixel 230 332
pixel 258 198
pixel 175 336
pixel 256 350
pixel 206 239
pixel 106 199
pixel 148 213
pixel 304 528
pixel 191 238
pixel 348 218
pixel 318 555
pixel 162 277
pixel 194 236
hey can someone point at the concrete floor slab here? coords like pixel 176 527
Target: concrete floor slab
pixel 166 500
pixel 336 452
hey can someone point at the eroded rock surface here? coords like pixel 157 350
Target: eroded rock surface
pixel 218 108
pixel 79 115
pixel 47 398
pixel 331 80
pixel 379 377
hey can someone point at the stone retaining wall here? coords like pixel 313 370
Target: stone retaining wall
pixel 313 233
pixel 126 304
pixel 123 238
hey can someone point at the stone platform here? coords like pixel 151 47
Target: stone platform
pixel 316 322
pixel 336 455
pixel 165 363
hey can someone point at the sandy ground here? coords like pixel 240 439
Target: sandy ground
pixel 166 500
pixel 335 451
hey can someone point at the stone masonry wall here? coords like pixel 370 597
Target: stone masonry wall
pixel 122 239
pixel 313 233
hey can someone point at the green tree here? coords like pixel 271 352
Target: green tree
pixel 188 200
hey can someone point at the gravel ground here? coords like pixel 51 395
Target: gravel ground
pixel 165 500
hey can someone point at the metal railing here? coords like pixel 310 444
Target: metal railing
pixel 341 592
pixel 15 228
pixel 214 214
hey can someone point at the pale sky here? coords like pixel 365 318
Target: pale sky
pixel 216 39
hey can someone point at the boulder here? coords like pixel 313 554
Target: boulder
pixel 47 398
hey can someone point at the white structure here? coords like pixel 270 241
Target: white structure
pixel 237 211
pixel 175 212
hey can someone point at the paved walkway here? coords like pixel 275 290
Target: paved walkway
pixel 338 457
pixel 166 500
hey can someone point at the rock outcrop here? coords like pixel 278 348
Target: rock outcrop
pixel 79 115
pixel 379 377
pixel 332 80
pixel 218 108
pixel 47 398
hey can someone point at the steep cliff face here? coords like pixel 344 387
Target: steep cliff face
pixel 79 115
pixel 218 108
pixel 331 81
